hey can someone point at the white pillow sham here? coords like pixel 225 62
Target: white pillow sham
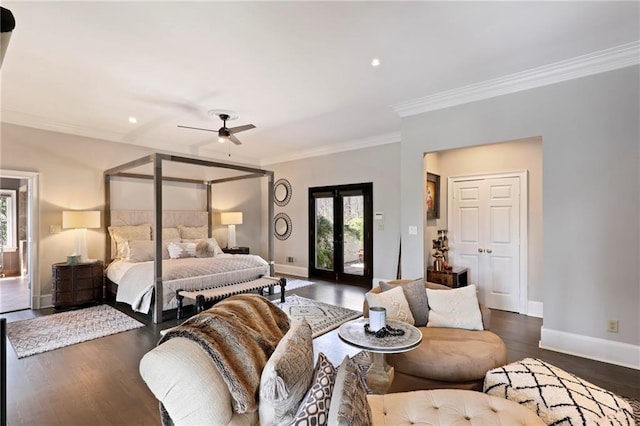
pixel 122 234
pixel 144 251
pixel 456 308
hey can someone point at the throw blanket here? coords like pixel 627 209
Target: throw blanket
pixel 239 334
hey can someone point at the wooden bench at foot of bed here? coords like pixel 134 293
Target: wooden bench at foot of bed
pixel 218 293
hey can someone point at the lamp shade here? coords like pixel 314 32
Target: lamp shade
pixel 231 218
pixel 80 219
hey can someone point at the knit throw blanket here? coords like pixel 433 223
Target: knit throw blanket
pixel 239 334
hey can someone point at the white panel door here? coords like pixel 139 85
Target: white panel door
pixel 485 237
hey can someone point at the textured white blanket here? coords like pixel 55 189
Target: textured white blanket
pixel 136 285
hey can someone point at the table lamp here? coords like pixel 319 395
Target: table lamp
pixel 80 221
pixel 231 219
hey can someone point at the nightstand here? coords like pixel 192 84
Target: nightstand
pixel 75 285
pixel 456 277
pixel 236 250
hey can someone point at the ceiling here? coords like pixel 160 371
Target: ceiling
pixel 299 71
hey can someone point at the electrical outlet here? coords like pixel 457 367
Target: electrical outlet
pixel 612 326
pixel 290 259
pixel 55 229
pixel 413 230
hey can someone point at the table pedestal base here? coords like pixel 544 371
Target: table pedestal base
pixel 380 374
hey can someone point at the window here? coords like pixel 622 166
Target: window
pixel 8 218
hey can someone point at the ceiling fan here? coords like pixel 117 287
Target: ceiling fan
pixel 225 133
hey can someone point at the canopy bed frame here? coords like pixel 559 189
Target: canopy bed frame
pixel 157 160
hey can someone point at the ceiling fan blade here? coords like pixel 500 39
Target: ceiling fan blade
pixel 198 128
pixel 234 140
pixel 237 129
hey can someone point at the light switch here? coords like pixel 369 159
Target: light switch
pixel 413 230
pixel 55 229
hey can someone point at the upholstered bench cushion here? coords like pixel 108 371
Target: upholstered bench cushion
pixel 448 407
pixel 559 397
pixel 452 355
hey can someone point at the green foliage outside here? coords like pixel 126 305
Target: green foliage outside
pixel 355 227
pixel 324 243
pixel 3 219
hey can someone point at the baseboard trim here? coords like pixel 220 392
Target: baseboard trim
pixel 534 309
pixel 291 270
pixel 608 351
pixel 42 302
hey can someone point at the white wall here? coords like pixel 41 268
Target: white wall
pixel 591 214
pixel 379 165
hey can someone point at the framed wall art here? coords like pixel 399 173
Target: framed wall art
pixel 432 196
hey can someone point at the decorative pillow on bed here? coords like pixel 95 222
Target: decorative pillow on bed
pixel 206 248
pixel 455 308
pixel 122 234
pixel 194 232
pixel 180 250
pixel 144 251
pixel 394 302
pixel 170 234
pixel 287 376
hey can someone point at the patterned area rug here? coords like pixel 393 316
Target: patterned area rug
pixel 322 317
pixel 292 284
pixel 49 332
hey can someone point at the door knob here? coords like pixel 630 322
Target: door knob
pixel 480 250
pixel 489 251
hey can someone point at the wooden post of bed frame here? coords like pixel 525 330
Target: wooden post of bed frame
pixel 270 221
pixel 157 236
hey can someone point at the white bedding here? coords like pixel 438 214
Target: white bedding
pixel 136 280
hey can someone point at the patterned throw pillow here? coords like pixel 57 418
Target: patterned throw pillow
pixel 314 409
pixel 456 308
pixel 286 376
pixel 556 396
pixel 349 406
pixel 394 302
pixel 180 250
pixel 416 296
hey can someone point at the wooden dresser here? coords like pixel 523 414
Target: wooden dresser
pixel 75 285
pixel 456 277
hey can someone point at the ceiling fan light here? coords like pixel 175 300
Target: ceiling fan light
pixel 222 139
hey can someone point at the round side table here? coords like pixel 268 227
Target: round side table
pixel 380 374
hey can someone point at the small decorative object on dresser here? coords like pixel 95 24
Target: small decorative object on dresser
pixel 236 250
pixel 75 285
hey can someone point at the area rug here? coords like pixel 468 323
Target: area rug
pixel 322 317
pixel 292 284
pixel 49 332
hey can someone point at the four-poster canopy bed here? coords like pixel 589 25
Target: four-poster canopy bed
pixel 160 224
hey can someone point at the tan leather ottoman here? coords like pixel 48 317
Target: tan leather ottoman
pixel 448 407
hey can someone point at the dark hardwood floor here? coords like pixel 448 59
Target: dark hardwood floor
pixel 97 382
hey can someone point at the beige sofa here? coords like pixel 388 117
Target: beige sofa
pixel 192 390
pixel 447 357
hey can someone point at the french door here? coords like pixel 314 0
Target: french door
pixel 340 233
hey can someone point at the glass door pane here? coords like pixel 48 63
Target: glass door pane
pixel 353 230
pixel 324 247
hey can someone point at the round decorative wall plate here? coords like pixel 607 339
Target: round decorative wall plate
pixel 282 226
pixel 282 192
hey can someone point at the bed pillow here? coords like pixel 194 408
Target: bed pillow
pixel 194 232
pixel 287 376
pixel 394 302
pixel 122 234
pixel 416 298
pixel 144 251
pixel 170 234
pixel 314 409
pixel 455 308
pixel 206 248
pixel 181 250
pixel 349 405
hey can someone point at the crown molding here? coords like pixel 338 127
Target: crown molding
pixel 369 142
pixel 593 63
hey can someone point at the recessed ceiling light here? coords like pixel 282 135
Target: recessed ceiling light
pixel 133 120
pixel 375 62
